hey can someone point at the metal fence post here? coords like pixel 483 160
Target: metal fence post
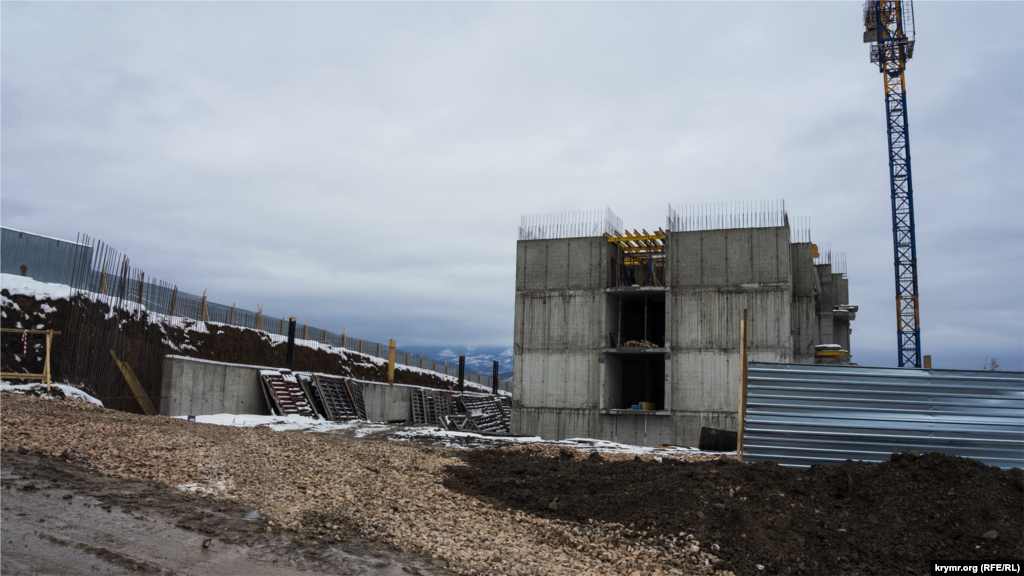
pixel 462 373
pixel 291 342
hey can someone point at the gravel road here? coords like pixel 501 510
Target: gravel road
pixel 314 491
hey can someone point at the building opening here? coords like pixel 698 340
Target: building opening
pixel 636 380
pixel 638 321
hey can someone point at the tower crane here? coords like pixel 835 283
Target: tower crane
pixel 889 28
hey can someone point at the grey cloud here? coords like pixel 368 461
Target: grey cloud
pixel 366 165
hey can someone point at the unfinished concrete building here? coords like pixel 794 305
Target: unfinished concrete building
pixel 634 336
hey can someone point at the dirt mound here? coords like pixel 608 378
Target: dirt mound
pixel 893 517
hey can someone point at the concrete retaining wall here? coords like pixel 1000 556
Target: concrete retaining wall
pixel 198 387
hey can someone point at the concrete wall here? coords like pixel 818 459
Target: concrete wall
pixel 197 387
pixel 714 275
pixel 387 403
pixel 565 374
pixel 804 314
pixel 560 318
pixel 826 302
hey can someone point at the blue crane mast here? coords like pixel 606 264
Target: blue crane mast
pixel 889 27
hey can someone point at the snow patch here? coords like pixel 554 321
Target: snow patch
pixel 212 489
pixel 39 290
pixel 29 388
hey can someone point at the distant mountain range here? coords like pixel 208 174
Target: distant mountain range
pixel 478 358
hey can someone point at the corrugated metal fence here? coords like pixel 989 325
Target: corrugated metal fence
pixel 40 257
pixel 84 266
pixel 802 414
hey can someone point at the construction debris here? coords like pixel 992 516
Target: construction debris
pixel 462 412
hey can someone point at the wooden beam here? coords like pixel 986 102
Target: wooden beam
pixel 20 376
pixel 743 387
pixel 391 362
pixel 136 387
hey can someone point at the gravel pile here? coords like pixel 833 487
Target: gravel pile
pixel 328 488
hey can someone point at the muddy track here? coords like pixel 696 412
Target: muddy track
pixel 61 519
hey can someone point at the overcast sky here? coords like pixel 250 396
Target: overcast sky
pixel 366 165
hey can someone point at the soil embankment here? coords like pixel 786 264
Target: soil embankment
pixel 205 341
pixel 857 518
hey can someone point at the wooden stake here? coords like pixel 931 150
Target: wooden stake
pixel 391 362
pixel 231 321
pixel 259 317
pixel 174 300
pixel 343 338
pixel 46 364
pixel 360 345
pixel 743 387
pixel 103 279
pixel 282 326
pixel 142 283
pixel 204 318
pixel 305 331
